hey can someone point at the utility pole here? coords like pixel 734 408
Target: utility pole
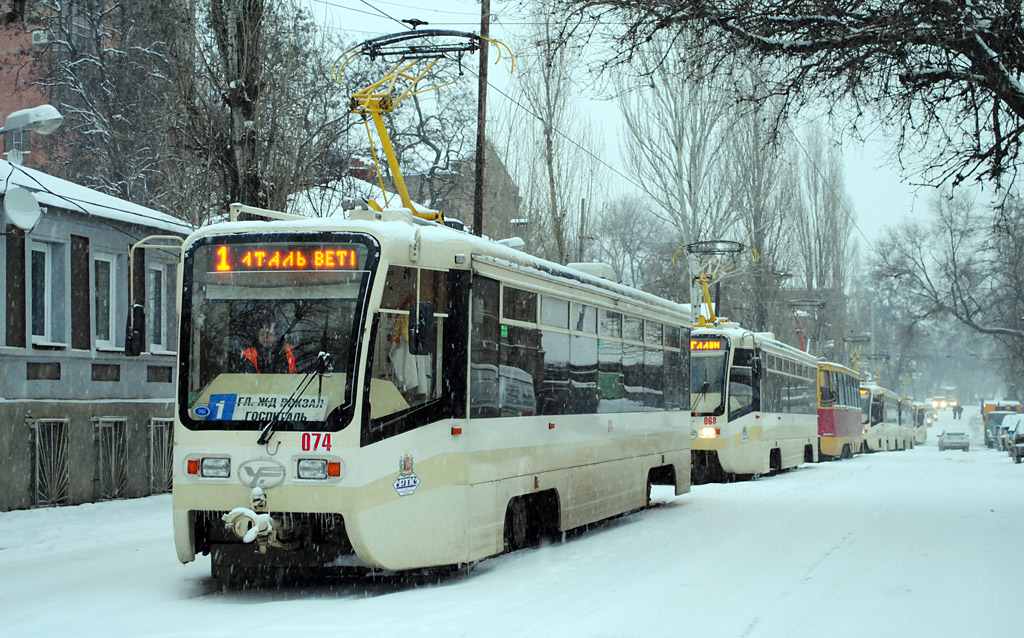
pixel 481 120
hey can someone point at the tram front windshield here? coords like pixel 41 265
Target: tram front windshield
pixel 707 376
pixel 269 331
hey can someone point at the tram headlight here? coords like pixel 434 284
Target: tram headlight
pixel 215 467
pixel 708 432
pixel 318 469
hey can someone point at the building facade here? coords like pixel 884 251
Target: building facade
pixel 80 421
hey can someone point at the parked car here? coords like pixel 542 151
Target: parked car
pixel 954 441
pixel 992 423
pixel 1008 429
pixel 1016 445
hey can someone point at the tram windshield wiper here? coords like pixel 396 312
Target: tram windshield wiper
pixel 324 365
pixel 701 393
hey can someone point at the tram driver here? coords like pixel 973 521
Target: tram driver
pixel 269 353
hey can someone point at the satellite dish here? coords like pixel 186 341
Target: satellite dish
pixel 22 208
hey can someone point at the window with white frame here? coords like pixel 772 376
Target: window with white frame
pixel 41 278
pixel 104 299
pixel 16 140
pixel 157 308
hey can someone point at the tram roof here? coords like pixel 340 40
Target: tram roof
pixel 737 332
pixel 402 232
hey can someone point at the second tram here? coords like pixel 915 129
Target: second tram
pixel 754 404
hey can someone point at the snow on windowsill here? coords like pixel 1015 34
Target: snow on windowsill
pixel 49 345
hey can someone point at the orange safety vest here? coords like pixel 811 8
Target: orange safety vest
pixel 252 355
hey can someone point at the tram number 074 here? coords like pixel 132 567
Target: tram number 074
pixel 312 441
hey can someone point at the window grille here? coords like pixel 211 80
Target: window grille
pixel 50 462
pixel 161 433
pixel 111 458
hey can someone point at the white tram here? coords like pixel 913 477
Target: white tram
pixel 885 426
pixel 754 403
pixel 451 398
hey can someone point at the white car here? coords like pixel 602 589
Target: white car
pixel 954 441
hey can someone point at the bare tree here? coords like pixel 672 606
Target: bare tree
pixel 551 146
pixel 106 69
pixel 965 262
pixel 632 240
pixel 765 195
pixel 823 221
pixel 258 108
pixel 677 129
pixel 950 71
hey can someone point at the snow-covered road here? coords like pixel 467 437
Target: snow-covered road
pixel 915 543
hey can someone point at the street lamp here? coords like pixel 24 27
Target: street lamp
pixel 44 119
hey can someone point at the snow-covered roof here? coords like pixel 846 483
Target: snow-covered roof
pixel 53 191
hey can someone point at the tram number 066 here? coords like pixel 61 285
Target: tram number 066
pixel 312 441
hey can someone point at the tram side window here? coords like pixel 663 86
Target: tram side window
pixel 484 396
pixel 583 364
pixel 741 392
pixel 677 370
pixel 401 380
pixel 434 288
pixel 654 379
pixel 583 318
pixel 554 393
pixel 743 398
pixel 519 305
pixel 520 370
pixel 825 382
pixel 554 312
pixel 399 288
pixel 609 376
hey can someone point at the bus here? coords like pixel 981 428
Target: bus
pixel 754 404
pixel 445 398
pixel 839 428
pixel 881 418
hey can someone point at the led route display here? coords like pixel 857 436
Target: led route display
pixel 278 257
pixel 702 344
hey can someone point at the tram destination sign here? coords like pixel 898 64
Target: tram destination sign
pixel 273 257
pixel 705 344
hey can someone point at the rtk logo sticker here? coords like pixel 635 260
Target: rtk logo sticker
pixel 407 481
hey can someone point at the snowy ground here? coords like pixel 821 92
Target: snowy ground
pixel 916 543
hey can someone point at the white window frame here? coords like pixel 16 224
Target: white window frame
pixel 46 337
pixel 111 296
pixel 154 321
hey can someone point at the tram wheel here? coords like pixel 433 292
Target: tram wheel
pixel 517 528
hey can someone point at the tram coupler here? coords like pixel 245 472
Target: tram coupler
pixel 253 523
